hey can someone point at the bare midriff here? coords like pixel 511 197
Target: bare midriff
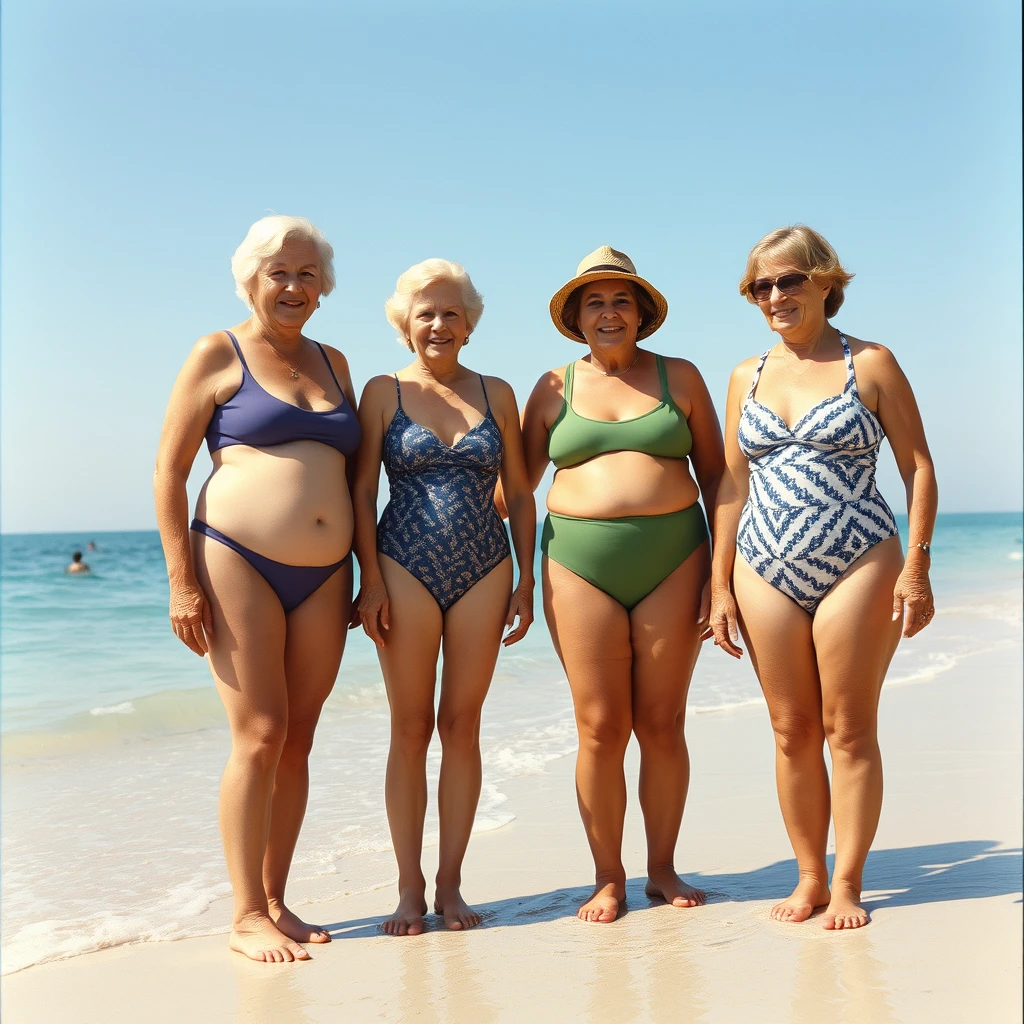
pixel 289 502
pixel 619 484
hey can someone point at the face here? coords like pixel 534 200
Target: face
pixel 609 314
pixel 796 307
pixel 286 287
pixel 437 321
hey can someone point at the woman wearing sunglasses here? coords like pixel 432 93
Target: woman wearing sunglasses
pixel 821 590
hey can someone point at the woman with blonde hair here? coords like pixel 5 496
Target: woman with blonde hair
pixel 821 591
pixel 436 572
pixel 636 443
pixel 261 583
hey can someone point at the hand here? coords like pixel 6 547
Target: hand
pixel 374 611
pixel 353 612
pixel 191 617
pixel 912 599
pixel 705 612
pixel 520 606
pixel 724 623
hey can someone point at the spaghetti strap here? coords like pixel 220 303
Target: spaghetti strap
pixel 329 367
pixel 238 349
pixel 398 388
pixel 484 386
pixel 851 376
pixel 757 375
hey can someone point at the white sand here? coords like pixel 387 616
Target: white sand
pixel 943 881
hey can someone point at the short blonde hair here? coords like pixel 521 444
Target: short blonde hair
pixel 266 238
pixel 415 279
pixel 804 249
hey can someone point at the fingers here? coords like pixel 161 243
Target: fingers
pixel 705 605
pixel 207 623
pixel 897 606
pixel 371 627
pixel 726 635
pixel 523 610
pixel 918 615
pixel 189 632
pixel 385 615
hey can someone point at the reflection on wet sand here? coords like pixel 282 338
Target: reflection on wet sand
pixel 270 992
pixel 838 979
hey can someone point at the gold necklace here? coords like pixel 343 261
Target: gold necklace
pixel 616 373
pixel 295 368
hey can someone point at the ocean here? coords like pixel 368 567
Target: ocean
pixel 113 738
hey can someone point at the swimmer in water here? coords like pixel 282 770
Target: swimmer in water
pixel 77 565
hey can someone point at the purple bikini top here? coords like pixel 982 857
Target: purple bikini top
pixel 255 417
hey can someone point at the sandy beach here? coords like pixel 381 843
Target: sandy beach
pixel 943 883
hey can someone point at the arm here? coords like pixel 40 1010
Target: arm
pixel 901 420
pixel 341 370
pixel 522 510
pixel 707 455
pixel 191 405
pixel 373 596
pixel 732 495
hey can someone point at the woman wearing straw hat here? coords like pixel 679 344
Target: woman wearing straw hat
pixel 627 559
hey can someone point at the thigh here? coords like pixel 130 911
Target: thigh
pixel 413 642
pixel 780 642
pixel 665 638
pixel 591 633
pixel 247 650
pixel 854 634
pixel 315 641
pixel 472 638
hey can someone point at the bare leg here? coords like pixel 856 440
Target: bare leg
pixel 666 642
pixel 313 648
pixel 591 633
pixel 409 663
pixel 472 637
pixel 247 662
pixel 855 639
pixel 778 635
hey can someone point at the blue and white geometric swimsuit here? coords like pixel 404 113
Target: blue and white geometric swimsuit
pixel 813 507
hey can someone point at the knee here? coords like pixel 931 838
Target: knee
pixel 797 734
pixel 459 731
pixel 659 728
pixel 299 741
pixel 607 734
pixel 411 734
pixel 852 737
pixel 260 741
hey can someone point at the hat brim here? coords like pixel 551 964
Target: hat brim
pixel 559 299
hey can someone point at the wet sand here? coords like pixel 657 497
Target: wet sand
pixel 943 886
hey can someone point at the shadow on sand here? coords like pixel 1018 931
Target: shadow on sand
pixel 903 877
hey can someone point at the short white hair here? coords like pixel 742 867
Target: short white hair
pixel 399 307
pixel 266 238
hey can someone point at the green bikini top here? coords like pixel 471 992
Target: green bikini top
pixel 663 431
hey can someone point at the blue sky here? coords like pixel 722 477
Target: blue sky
pixel 141 140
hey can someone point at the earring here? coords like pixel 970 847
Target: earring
pixel 318 304
pixel 466 342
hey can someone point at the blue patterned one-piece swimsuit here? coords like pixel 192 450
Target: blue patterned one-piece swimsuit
pixel 441 523
pixel 813 507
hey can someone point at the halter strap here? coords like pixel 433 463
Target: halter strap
pixel 851 376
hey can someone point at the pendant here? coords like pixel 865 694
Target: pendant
pixel 295 374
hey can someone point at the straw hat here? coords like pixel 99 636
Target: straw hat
pixel 601 265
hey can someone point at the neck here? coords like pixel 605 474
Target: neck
pixel 444 371
pixel 614 360
pixel 278 335
pixel 804 341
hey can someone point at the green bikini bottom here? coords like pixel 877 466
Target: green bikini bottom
pixel 626 558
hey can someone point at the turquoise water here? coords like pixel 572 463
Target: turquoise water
pixel 114 740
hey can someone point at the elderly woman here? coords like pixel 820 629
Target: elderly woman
pixel 821 590
pixel 436 573
pixel 627 559
pixel 262 581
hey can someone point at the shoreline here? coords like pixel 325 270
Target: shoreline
pixel 943 888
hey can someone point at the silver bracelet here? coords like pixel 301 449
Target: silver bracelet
pixel 925 546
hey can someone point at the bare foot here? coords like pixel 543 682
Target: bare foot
pixel 408 916
pixel 458 915
pixel 604 905
pixel 664 883
pixel 258 938
pixel 809 894
pixel 294 927
pixel 844 909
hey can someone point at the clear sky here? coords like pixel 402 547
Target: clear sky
pixel 140 141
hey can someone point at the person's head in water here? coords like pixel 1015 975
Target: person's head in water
pixel 76 557
pixel 77 565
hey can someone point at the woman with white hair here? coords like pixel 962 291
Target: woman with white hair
pixel 262 581
pixel 436 573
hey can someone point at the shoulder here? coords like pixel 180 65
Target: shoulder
pixel 338 360
pixel 378 388
pixel 682 370
pixel 871 355
pixel 744 372
pixel 498 391
pixel 213 353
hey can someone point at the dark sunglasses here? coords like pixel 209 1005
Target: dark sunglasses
pixel 761 289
